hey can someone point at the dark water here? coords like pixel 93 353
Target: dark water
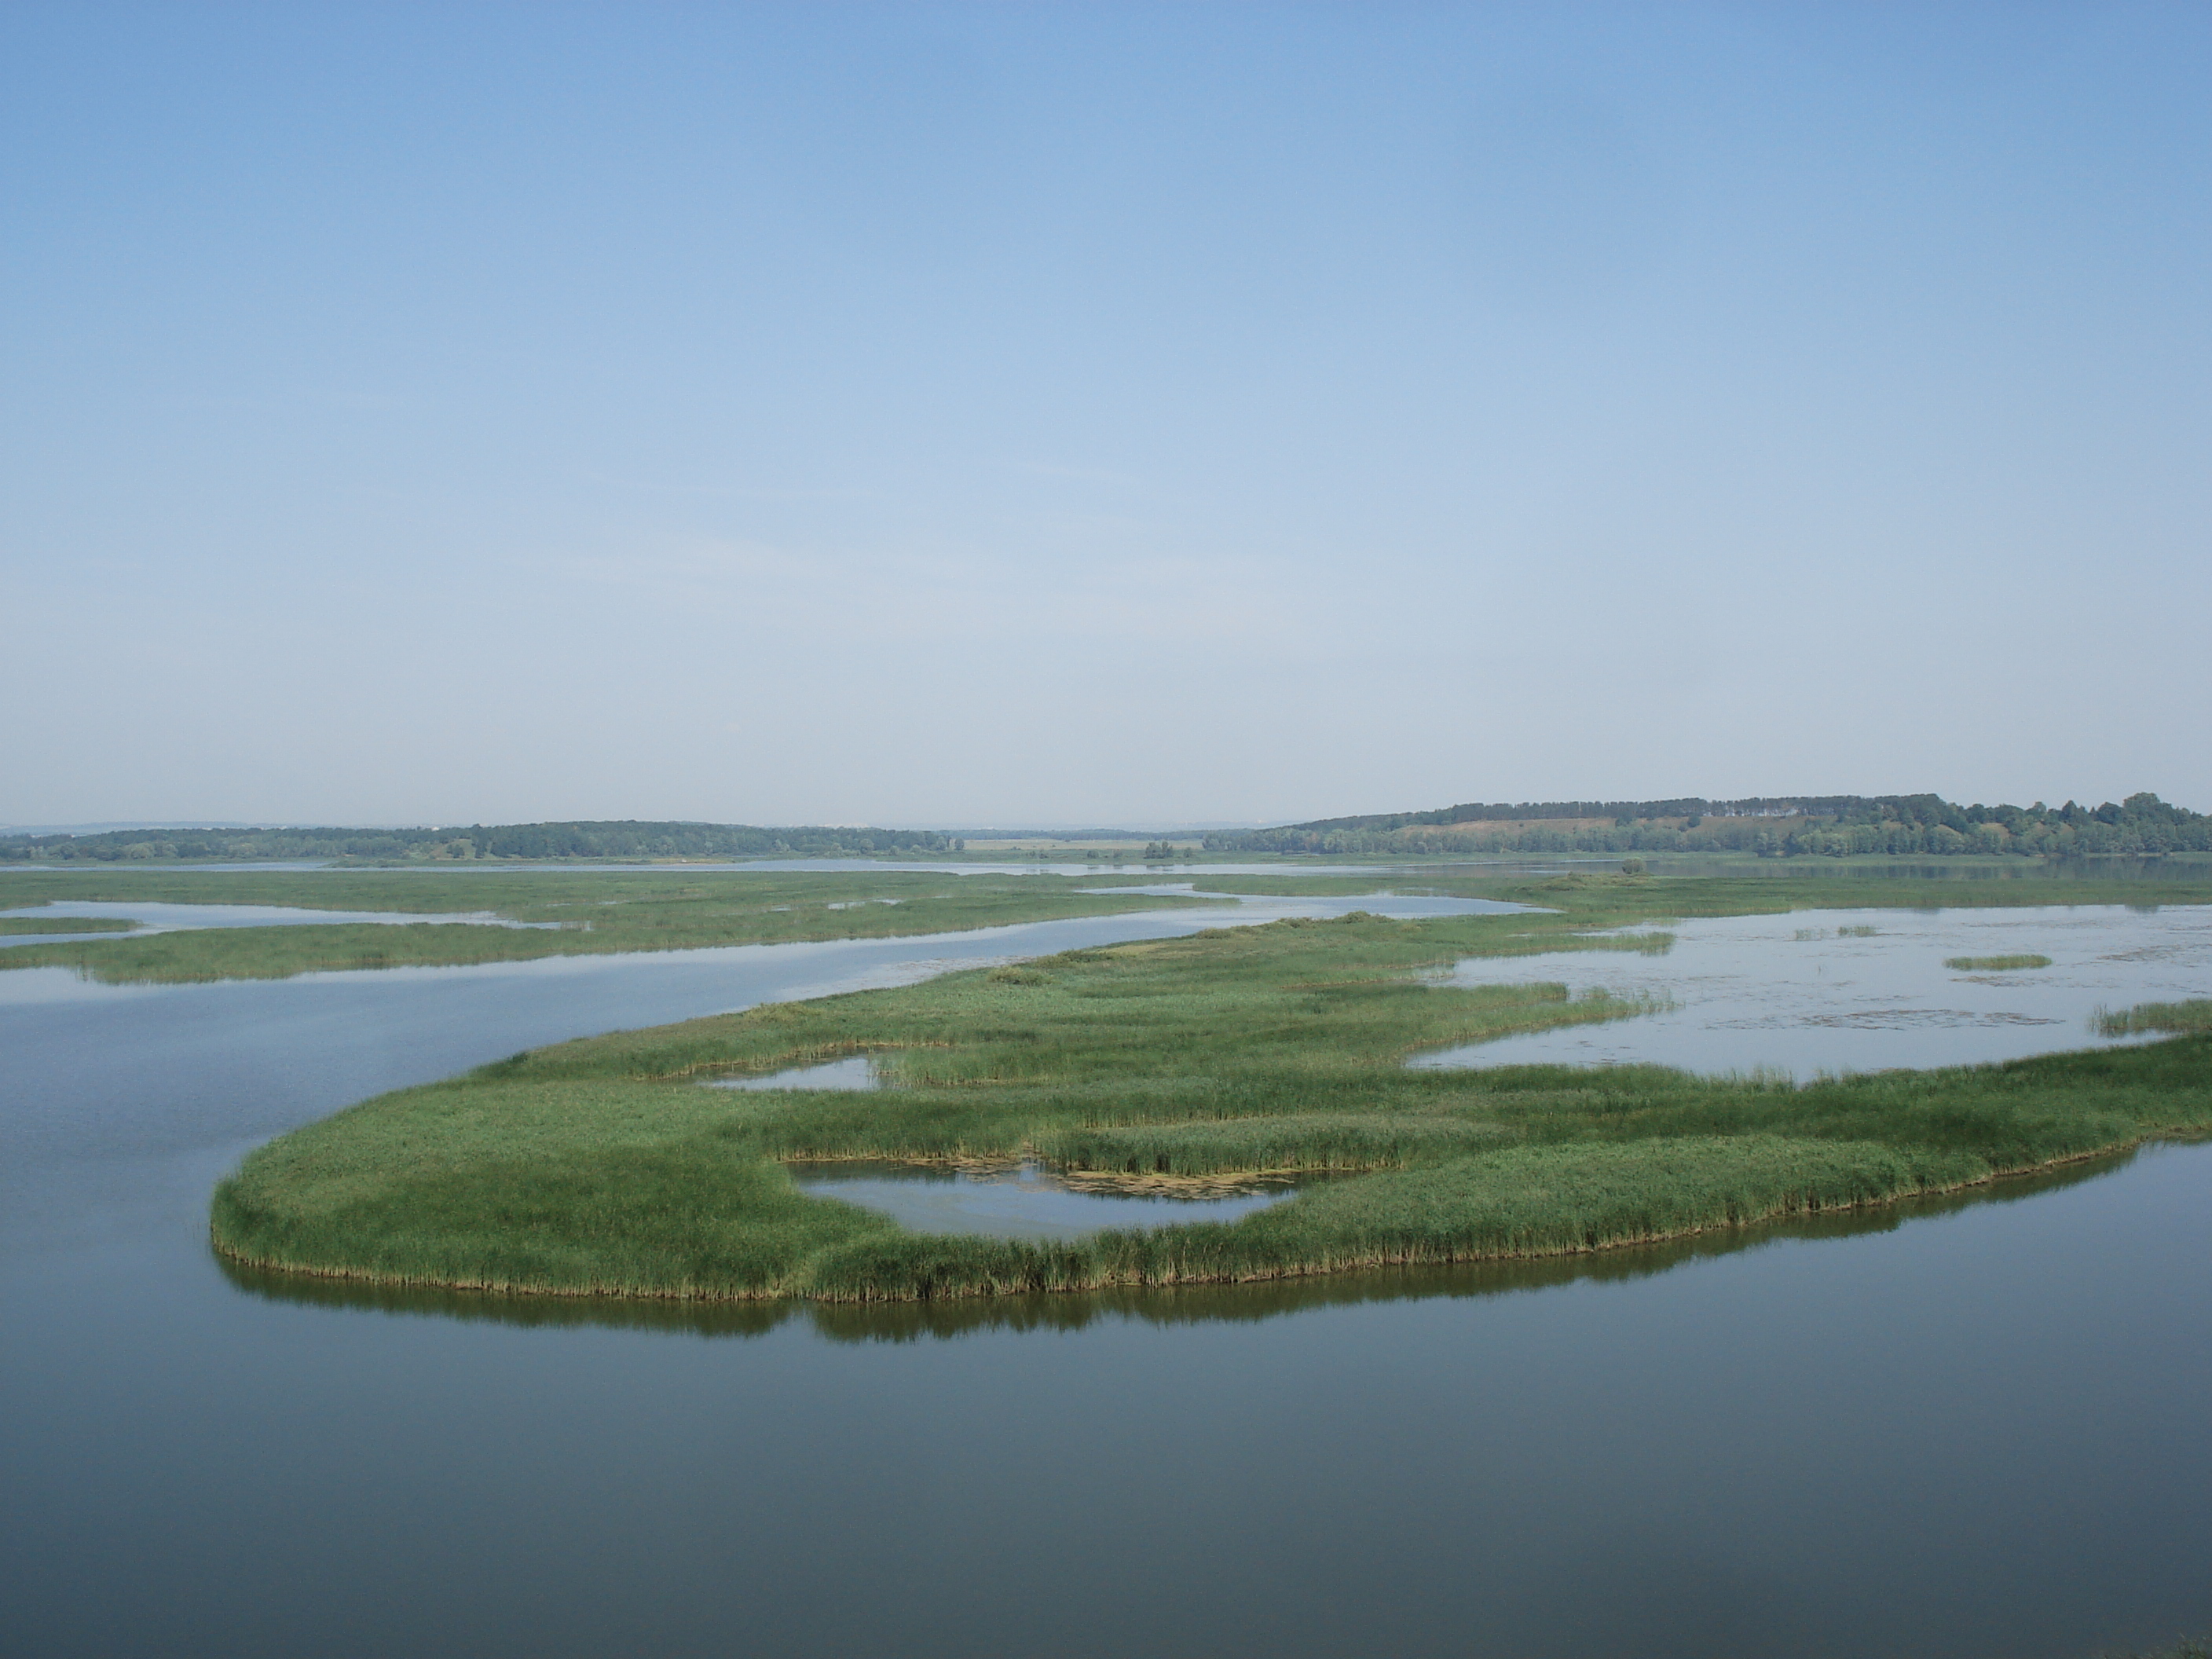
pixel 1968 1429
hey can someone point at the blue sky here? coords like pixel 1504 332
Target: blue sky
pixel 1083 413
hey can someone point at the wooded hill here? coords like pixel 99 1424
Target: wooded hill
pixel 623 839
pixel 1773 827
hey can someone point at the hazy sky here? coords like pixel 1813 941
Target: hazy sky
pixel 1081 414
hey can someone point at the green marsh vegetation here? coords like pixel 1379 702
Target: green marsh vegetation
pixel 1209 1301
pixel 599 1167
pixel 1759 889
pixel 2169 1018
pixel 1996 965
pixel 13 926
pixel 577 913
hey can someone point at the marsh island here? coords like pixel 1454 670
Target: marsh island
pixel 601 1167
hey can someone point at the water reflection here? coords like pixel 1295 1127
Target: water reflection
pixel 1859 990
pixel 1020 1200
pixel 854 1072
pixel 1566 1457
pixel 1250 1303
pixel 165 918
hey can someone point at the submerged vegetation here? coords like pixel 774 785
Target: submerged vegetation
pixel 600 1167
pixel 1996 965
pixel 2170 1018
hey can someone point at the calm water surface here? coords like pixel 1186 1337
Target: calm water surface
pixel 1025 1201
pixel 1963 1429
pixel 1860 990
pixel 857 1072
pixel 163 917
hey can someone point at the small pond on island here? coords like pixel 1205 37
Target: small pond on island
pixel 1024 1200
pixel 854 1072
pixel 1967 1428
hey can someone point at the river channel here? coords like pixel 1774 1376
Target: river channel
pixel 1963 1428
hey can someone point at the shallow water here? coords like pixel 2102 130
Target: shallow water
pixel 855 1071
pixel 1963 1428
pixel 1550 865
pixel 163 918
pixel 241 1060
pixel 1753 993
pixel 1021 1202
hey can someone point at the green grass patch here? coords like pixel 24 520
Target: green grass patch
pixel 11 927
pixel 599 1167
pixel 1995 965
pixel 590 913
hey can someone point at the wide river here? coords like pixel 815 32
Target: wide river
pixel 1969 1427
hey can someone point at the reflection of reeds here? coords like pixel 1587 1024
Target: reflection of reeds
pixel 1249 1302
pixel 2173 1017
pixel 1995 965
pixel 1524 1201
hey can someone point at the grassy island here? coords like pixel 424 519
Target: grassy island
pixel 562 913
pixel 600 1168
pixel 24 926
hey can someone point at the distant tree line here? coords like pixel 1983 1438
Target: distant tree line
pixel 624 839
pixel 1819 825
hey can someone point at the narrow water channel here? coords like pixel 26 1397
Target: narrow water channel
pixel 154 917
pixel 1962 1429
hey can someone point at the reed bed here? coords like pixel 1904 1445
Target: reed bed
pixel 27 925
pixel 600 1168
pixel 1996 965
pixel 2170 1018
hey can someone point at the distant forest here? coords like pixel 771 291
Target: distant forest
pixel 626 839
pixel 1779 827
